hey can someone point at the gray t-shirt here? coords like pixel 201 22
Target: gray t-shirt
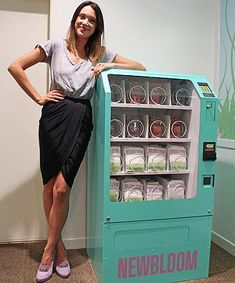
pixel 76 80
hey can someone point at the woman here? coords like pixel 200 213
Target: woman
pixel 66 122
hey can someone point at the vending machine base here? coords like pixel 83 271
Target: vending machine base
pixel 161 251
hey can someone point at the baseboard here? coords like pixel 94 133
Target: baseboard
pixel 223 243
pixel 77 243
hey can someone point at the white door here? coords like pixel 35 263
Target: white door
pixel 23 24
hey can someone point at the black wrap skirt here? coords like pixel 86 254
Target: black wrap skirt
pixel 64 132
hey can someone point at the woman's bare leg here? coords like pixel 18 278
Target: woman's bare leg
pixel 47 201
pixel 48 197
pixel 56 206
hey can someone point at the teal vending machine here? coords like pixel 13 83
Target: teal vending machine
pixel 151 177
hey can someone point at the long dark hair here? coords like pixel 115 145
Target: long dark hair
pixel 93 47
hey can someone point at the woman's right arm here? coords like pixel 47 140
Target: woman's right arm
pixel 17 70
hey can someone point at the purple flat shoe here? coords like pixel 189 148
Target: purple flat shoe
pixel 44 272
pixel 63 269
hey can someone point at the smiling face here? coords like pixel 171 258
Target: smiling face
pixel 85 23
pixel 86 30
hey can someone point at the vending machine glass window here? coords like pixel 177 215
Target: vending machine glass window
pixel 153 142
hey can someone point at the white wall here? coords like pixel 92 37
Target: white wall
pixel 176 36
pixel 224 215
pixel 179 36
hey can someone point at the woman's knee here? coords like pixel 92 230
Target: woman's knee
pixel 60 192
pixel 60 189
